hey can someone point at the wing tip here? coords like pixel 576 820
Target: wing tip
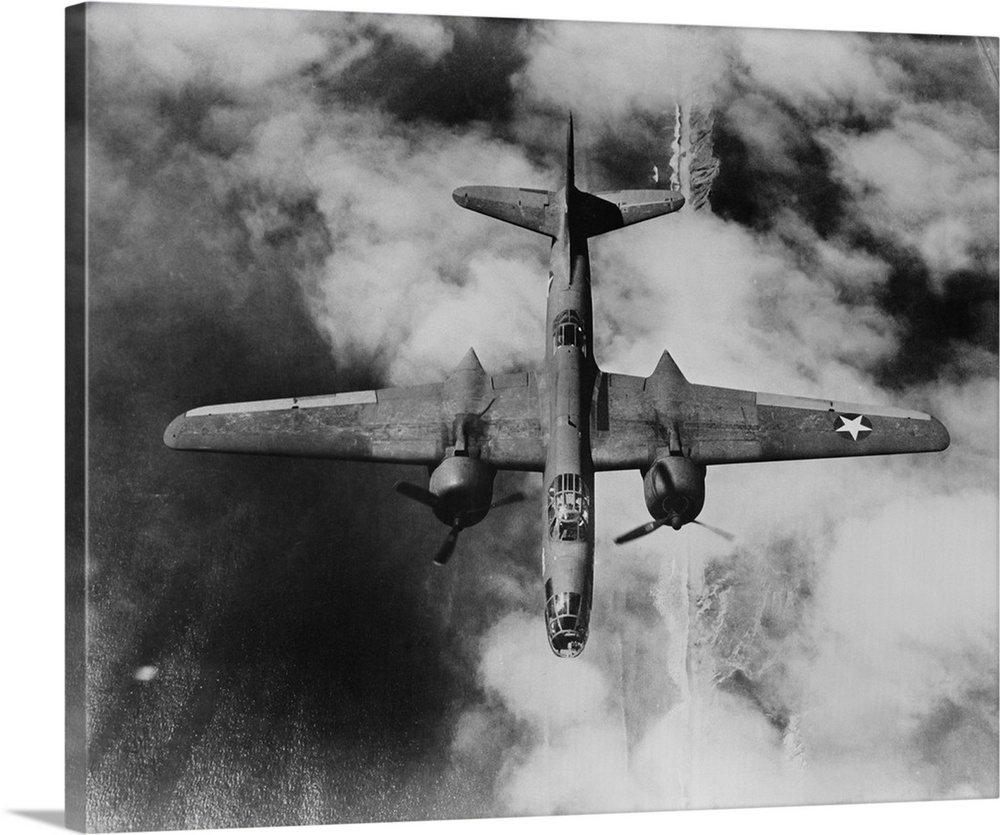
pixel 939 436
pixel 172 434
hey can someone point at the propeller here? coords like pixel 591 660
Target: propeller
pixel 642 530
pixel 649 527
pixel 433 501
pixel 417 493
pixel 448 546
pixel 726 535
pixel 510 498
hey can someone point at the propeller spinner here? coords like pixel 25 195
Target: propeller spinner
pixel 674 491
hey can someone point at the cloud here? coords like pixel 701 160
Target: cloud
pixel 628 66
pixel 741 310
pixel 927 551
pixel 532 682
pixel 242 49
pixel 926 186
pixel 821 662
pixel 415 269
pixel 816 69
pixel 427 34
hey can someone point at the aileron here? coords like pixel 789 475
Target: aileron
pixel 811 403
pixel 352 398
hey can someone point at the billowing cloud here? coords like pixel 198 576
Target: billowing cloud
pixel 817 69
pixel 628 66
pixel 926 184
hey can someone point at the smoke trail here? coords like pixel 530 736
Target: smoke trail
pixel 693 164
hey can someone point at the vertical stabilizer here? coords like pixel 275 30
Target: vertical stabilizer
pixel 570 164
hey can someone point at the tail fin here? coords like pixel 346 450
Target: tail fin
pixel 570 162
pixel 588 214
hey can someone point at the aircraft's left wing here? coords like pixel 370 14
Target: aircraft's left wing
pixel 636 420
pixel 494 417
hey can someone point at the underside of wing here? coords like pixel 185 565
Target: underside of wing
pixel 528 208
pixel 492 417
pixel 639 419
pixel 800 427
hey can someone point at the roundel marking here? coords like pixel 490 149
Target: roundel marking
pixel 857 426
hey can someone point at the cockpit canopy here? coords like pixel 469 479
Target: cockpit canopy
pixel 569 508
pixel 568 331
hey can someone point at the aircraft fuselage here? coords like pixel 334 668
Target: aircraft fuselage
pixel 568 498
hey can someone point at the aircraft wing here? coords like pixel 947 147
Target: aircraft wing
pixel 496 416
pixel 638 419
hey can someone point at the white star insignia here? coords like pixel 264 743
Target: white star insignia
pixel 856 425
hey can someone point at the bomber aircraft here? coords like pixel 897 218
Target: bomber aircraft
pixel 567 420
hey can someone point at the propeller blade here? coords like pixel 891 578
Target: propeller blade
pixel 417 493
pixel 447 547
pixel 642 530
pixel 511 498
pixel 724 534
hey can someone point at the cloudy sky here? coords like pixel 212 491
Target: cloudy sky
pixel 271 214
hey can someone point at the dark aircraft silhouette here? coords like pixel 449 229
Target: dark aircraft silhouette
pixel 567 421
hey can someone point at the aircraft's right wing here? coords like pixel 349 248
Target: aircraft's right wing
pixel 639 419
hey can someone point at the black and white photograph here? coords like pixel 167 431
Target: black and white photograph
pixel 487 417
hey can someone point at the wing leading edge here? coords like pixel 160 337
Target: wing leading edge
pixel 639 419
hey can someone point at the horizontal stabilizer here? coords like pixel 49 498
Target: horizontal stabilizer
pixel 604 212
pixel 525 207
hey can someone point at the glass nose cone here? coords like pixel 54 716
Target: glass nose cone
pixel 567 644
pixel 566 624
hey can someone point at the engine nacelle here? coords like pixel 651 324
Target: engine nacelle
pixel 464 487
pixel 674 489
